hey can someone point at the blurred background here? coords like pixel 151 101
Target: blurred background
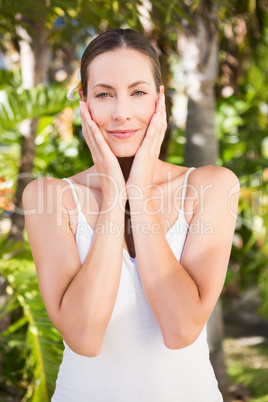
pixel 214 60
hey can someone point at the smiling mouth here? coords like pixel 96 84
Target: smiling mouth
pixel 123 134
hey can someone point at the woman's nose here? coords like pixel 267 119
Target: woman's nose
pixel 122 111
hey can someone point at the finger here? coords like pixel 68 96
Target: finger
pixel 151 132
pixel 84 108
pixel 96 139
pixel 159 133
pixel 162 128
pixel 162 117
pixel 97 136
pixel 87 132
pixel 160 104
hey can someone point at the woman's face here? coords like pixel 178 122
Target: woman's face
pixel 121 96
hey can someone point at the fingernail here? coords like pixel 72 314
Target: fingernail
pixel 89 122
pixel 81 107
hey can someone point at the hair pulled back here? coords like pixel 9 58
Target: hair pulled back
pixel 119 39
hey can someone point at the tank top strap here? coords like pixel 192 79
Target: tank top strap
pixel 77 203
pixel 184 187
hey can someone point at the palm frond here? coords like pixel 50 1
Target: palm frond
pixel 42 348
pixel 39 101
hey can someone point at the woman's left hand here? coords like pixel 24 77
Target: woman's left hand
pixel 142 171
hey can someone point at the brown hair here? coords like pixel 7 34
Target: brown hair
pixel 119 39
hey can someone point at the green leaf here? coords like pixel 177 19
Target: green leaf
pixel 38 102
pixel 43 346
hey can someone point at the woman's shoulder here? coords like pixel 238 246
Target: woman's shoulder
pixel 47 193
pixel 40 184
pixel 54 194
pixel 79 179
pixel 215 186
pixel 215 182
pixel 200 175
pixel 50 190
pixel 217 176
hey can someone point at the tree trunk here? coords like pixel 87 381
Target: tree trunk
pixel 34 54
pixel 201 144
pixel 198 51
pixel 154 32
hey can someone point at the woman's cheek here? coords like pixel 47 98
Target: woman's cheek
pixel 150 110
pixel 97 113
pixel 145 106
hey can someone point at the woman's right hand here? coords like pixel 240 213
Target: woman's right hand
pixel 107 166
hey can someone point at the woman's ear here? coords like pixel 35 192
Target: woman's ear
pixel 81 94
pixel 161 89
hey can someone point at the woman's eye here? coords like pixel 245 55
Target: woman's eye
pixel 139 93
pixel 102 95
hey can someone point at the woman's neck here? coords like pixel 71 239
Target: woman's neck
pixel 125 164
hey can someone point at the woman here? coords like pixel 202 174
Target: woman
pixel 133 251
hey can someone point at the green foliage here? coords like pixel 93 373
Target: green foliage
pixel 10 79
pixel 31 346
pixel 175 148
pixel 39 101
pixel 263 281
pixel 247 365
pixel 31 340
pixel 57 157
pixel 241 131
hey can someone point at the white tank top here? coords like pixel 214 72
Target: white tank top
pixel 134 364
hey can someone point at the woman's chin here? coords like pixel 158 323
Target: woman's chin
pixel 125 152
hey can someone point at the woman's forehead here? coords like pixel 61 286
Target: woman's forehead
pixel 121 63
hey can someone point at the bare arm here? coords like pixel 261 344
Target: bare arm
pixel 183 294
pixel 79 299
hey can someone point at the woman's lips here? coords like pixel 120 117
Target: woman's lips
pixel 123 134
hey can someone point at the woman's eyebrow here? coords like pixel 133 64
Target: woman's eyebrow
pixel 134 84
pixel 101 84
pixel 138 83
